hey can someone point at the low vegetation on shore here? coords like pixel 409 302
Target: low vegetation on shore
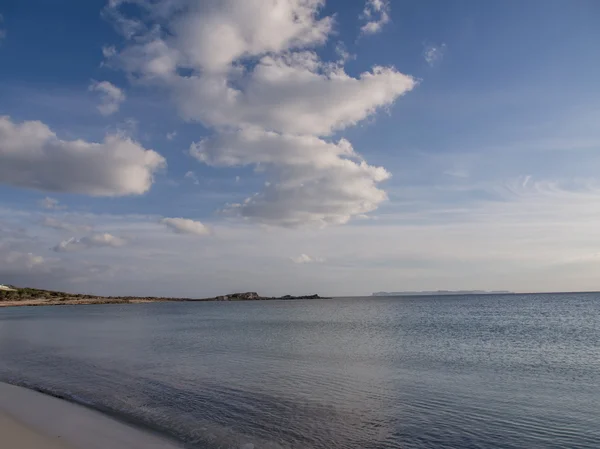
pixel 15 296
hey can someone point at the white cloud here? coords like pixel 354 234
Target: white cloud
pixel 376 14
pixel 101 240
pixel 343 53
pixel 32 156
pixel 51 203
pixel 171 135
pixel 186 226
pixel 212 34
pixel 289 89
pixel 434 54
pixel 311 181
pixel 109 51
pixel 192 177
pixel 111 96
pixel 292 94
pixel 304 259
pixel 268 96
pixel 457 172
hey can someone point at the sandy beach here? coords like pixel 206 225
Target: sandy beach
pixel 32 420
pixel 15 435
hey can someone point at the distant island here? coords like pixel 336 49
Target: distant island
pixel 15 296
pixel 443 292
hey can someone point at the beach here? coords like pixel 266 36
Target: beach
pixel 32 420
pixel 16 435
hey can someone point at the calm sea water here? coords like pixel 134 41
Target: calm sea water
pixel 428 372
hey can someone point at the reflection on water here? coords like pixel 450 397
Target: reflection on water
pixel 464 372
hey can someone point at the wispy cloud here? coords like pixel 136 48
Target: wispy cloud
pixel 434 54
pixel 192 177
pixel 186 226
pixel 304 259
pixel 51 204
pixel 101 240
pixel 111 96
pixel 376 14
pixel 51 222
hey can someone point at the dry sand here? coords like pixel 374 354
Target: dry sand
pixel 15 435
pixel 32 420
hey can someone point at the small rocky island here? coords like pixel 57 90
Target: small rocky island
pixel 15 296
pixel 253 296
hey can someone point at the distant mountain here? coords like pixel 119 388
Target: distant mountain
pixel 443 292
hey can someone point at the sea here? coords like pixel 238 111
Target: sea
pixel 475 371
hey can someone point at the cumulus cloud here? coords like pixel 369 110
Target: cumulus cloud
pixel 312 181
pixel 211 35
pixel 51 203
pixel 186 226
pixel 111 96
pixel 101 240
pixel 434 54
pixel 376 14
pixel 171 135
pixel 269 97
pixel 294 94
pixel 304 258
pixel 32 156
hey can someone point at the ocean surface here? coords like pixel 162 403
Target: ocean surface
pixel 510 371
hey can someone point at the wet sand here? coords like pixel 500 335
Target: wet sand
pixel 32 420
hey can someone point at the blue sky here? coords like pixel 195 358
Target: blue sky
pixel 199 147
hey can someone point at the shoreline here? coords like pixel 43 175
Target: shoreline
pixel 28 297
pixel 76 302
pixel 30 419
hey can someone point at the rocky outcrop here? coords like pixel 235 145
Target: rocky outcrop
pixel 253 296
pixel 302 297
pixel 248 296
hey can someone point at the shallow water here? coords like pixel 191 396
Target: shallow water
pixel 429 372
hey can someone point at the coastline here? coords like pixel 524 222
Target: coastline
pixel 33 420
pixel 23 297
pixel 78 302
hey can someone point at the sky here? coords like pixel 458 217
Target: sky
pixel 340 147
